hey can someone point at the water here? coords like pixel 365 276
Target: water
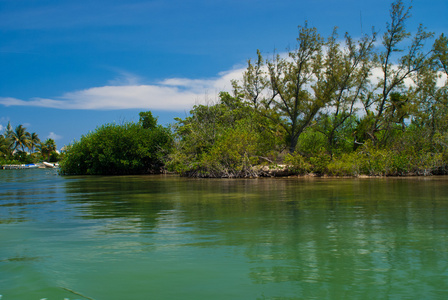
pixel 165 237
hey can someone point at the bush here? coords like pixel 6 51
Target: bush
pixel 369 160
pixel 223 140
pixel 118 149
pixel 348 164
pixel 311 142
pixel 297 163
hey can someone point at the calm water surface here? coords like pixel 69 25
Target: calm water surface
pixel 165 237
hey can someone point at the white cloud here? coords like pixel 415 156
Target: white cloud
pixel 124 78
pixel 172 94
pixel 442 80
pixel 54 136
pixel 1 128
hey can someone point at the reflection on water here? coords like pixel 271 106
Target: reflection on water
pixel 164 237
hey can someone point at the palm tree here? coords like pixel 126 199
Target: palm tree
pixel 34 141
pixel 5 146
pixel 20 138
pixel 47 148
pixel 8 131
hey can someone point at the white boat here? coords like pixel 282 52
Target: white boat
pixel 50 165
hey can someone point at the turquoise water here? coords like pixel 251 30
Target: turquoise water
pixel 165 237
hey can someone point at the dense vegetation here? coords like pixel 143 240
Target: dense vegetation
pixel 376 105
pixel 18 146
pixel 329 107
pixel 224 140
pixel 120 149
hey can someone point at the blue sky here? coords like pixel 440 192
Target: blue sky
pixel 70 66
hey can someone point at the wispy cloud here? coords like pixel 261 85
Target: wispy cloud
pixel 172 94
pixel 125 78
pixel 54 136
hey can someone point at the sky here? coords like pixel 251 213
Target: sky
pixel 67 67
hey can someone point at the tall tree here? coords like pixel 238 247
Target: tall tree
pixel 5 146
pixel 347 69
pixel 440 50
pixel 20 138
pixel 287 91
pixel 34 141
pixel 431 93
pixel 46 148
pixel 395 70
pixel 147 120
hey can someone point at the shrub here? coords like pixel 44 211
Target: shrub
pixel 223 140
pixel 118 149
pixel 297 163
pixel 348 164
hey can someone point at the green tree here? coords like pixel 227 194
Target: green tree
pixel 119 149
pixel 147 121
pixel 294 90
pixel 440 50
pixel 5 147
pixel 46 148
pixel 395 68
pixel 346 80
pixel 293 81
pixel 225 139
pixel 431 97
pixel 33 141
pixel 286 91
pixel 20 138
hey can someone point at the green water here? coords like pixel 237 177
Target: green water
pixel 165 237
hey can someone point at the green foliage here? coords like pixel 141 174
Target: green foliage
pixel 22 157
pixel 147 121
pixel 297 163
pixel 223 140
pixel 232 155
pixel 318 104
pixel 5 147
pixel 311 142
pixel 54 157
pixel 14 144
pixel 47 148
pixel 20 138
pixel 321 105
pixel 118 149
pixel 369 160
pixel 348 164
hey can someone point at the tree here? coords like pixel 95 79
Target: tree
pixel 287 92
pixel 430 95
pixel 46 148
pixel 6 142
pixel 114 149
pixel 395 70
pixel 5 146
pixel 33 141
pixel 225 139
pixel 346 77
pixel 20 138
pixel 147 121
pixel 440 50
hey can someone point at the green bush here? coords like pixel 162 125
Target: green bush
pixel 348 164
pixel 311 142
pixel 118 149
pixel 223 140
pixel 297 163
